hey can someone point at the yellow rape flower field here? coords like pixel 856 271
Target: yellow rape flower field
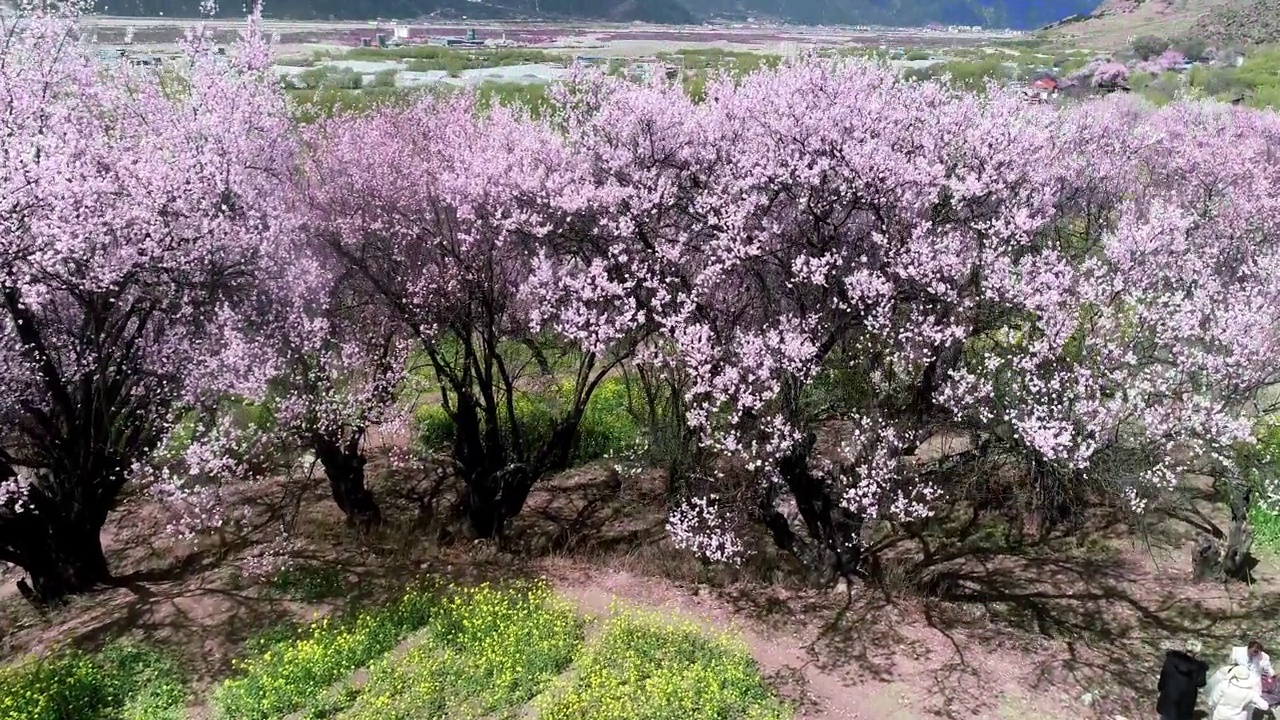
pixel 439 652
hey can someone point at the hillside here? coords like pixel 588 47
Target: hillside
pixel 1221 22
pixel 1253 21
pixel 990 13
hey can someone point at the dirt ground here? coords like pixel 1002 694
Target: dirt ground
pixel 962 627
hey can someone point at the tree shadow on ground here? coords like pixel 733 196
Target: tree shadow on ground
pixel 1092 612
pixel 591 510
pixel 197 601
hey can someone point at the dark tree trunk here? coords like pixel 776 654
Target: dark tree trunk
pixel 539 357
pixel 495 489
pixel 66 560
pixel 344 467
pixel 1228 558
pixel 488 502
pixel 831 545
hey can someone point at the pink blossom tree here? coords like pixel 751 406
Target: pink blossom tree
pixel 949 264
pixel 1168 60
pixel 647 150
pixel 470 233
pixel 343 375
pixel 1110 75
pixel 140 219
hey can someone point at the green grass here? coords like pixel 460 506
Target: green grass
pixel 123 681
pixel 608 426
pixel 1260 463
pixel 487 653
pixel 309 583
pixel 644 666
pixel 1266 527
pixel 477 652
pixel 294 670
pixel 422 58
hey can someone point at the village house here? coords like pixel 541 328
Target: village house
pixel 1042 89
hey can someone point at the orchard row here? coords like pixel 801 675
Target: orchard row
pixel 1089 291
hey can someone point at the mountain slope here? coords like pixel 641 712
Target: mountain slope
pixel 1221 22
pixel 989 13
pixel 1246 21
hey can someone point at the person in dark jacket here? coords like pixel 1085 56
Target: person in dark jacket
pixel 1181 678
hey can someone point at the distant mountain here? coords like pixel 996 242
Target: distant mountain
pixel 988 13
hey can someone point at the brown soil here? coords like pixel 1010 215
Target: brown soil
pixel 1069 627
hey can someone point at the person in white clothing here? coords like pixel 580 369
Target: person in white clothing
pixel 1253 657
pixel 1237 695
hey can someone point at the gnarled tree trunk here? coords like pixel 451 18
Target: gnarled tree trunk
pixel 66 559
pixel 344 465
pixel 493 495
pixel 56 538
pixel 488 502
pixel 1222 559
pixel 830 545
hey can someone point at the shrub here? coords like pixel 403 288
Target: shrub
pixel 643 667
pixel 974 75
pixel 751 62
pixel 70 686
pixel 1215 81
pixel 312 104
pixel 1261 465
pixel 311 77
pixel 1266 97
pixel 1159 90
pixel 309 583
pixel 325 76
pixel 607 428
pixel 1148 46
pixel 345 79
pixel 149 684
pixel 1194 48
pixel 125 681
pixel 532 96
pixel 294 673
pixel 487 651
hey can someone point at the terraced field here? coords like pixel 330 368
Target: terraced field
pixel 438 652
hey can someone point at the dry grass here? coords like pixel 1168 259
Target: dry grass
pixel 1117 21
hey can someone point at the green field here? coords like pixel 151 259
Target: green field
pixel 437 652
